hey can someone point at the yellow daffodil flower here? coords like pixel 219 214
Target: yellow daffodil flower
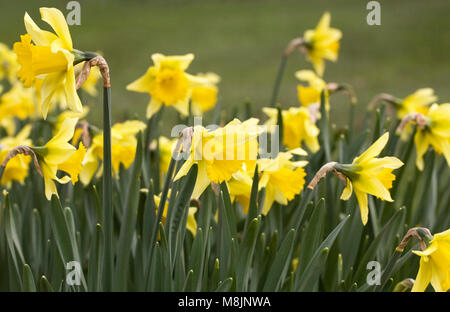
pixel 240 188
pixel 220 153
pixel 436 133
pixel 123 149
pixel 322 43
pixel 281 177
pixel 58 154
pixel 18 102
pixel 298 129
pixel 9 124
pixel 204 95
pixel 8 63
pixel 49 58
pixel 17 168
pixel 167 83
pixel 191 223
pixel 434 264
pixel 370 175
pixel 68 114
pixel 166 147
pixel 308 95
pixel 418 102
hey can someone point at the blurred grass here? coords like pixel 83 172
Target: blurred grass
pixel 242 41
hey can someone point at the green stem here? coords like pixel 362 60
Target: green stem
pixel 276 88
pixel 107 191
pixel 2 169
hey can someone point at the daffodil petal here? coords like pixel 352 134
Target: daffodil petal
pixel 57 21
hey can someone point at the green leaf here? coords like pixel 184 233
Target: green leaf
pixel 129 216
pixel 28 280
pixel 253 205
pixel 44 285
pixel 280 266
pixel 108 211
pixel 225 285
pixel 313 235
pixel 95 265
pixel 63 231
pixel 12 240
pixel 180 209
pixel 311 274
pixel 246 254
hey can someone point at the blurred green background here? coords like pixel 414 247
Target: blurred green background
pixel 242 41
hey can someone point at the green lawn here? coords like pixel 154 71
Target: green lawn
pixel 242 42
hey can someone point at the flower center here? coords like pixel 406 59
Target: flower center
pixel 171 86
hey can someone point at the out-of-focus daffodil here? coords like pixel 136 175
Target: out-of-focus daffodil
pixel 8 63
pixel 369 175
pixel 68 114
pixel 322 43
pixel 240 188
pixel 281 178
pixel 191 223
pixel 123 149
pixel 434 264
pixel 49 58
pixel 221 152
pixel 9 124
pixel 17 102
pixel 167 83
pixel 166 147
pixel 204 93
pixel 298 128
pixel 308 95
pixel 17 168
pixel 58 154
pixel 434 132
pixel 418 102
